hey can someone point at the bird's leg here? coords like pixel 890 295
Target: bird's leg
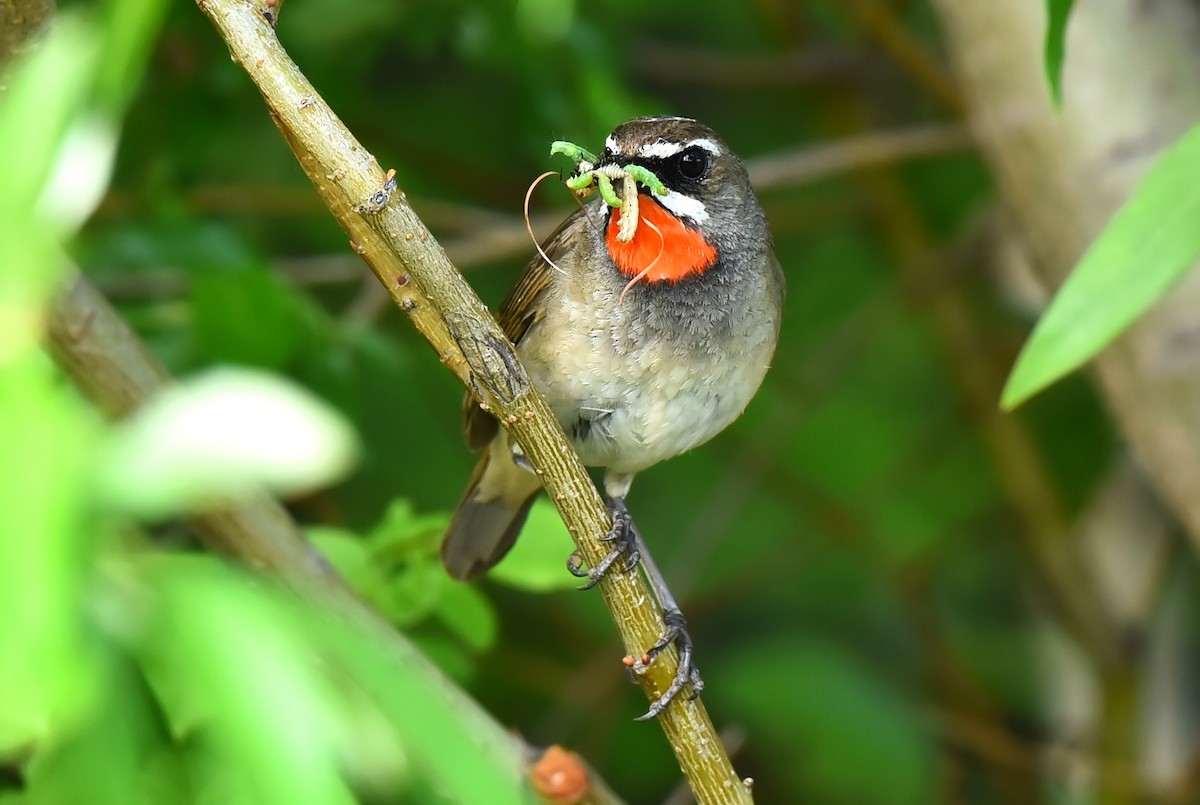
pixel 518 457
pixel 674 632
pixel 627 541
pixel 624 539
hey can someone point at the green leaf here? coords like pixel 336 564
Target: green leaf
pixel 85 159
pixel 104 758
pixel 1058 12
pixel 1149 244
pixel 228 659
pixel 838 728
pixel 457 753
pixel 402 533
pixel 45 552
pixel 55 157
pixel 47 92
pixel 221 434
pixel 448 654
pixel 468 614
pixel 45 97
pixel 412 591
pixel 538 561
pixel 130 26
pixel 247 315
pixel 348 554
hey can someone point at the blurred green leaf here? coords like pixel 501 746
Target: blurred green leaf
pixel 85 159
pixel 247 315
pixel 284 700
pixel 45 551
pixel 55 155
pixel 47 92
pixel 412 590
pixel 461 756
pixel 237 665
pixel 129 28
pixel 1148 245
pixel 468 615
pixel 348 554
pixel 446 653
pixel 403 546
pixel 836 725
pixel 955 489
pixel 398 570
pixel 105 757
pixel 1058 14
pixel 538 561
pixel 221 434
pixel 402 533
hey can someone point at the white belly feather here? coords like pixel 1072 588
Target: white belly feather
pixel 626 406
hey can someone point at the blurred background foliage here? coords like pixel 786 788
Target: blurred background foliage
pixel 857 556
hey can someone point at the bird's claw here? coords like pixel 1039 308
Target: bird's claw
pixel 621 536
pixel 685 674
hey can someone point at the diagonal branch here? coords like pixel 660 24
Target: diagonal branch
pixel 418 276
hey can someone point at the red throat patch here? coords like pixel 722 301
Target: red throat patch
pixel 671 250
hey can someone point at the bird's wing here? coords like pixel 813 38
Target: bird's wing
pixel 522 309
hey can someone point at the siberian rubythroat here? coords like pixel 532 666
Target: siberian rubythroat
pixel 644 349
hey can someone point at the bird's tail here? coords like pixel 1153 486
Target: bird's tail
pixel 491 513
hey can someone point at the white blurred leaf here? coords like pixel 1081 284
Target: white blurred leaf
pixel 80 174
pixel 220 434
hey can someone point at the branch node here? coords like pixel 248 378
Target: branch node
pixel 502 377
pixel 380 198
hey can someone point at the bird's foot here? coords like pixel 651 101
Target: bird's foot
pixel 627 545
pixel 675 632
pixel 623 538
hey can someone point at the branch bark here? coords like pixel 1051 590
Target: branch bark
pixel 418 276
pixel 19 21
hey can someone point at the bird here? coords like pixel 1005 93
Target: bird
pixel 644 348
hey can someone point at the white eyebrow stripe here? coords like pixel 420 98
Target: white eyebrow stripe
pixel 661 149
pixel 684 206
pixel 708 145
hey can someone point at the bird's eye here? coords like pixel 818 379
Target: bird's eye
pixel 693 163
